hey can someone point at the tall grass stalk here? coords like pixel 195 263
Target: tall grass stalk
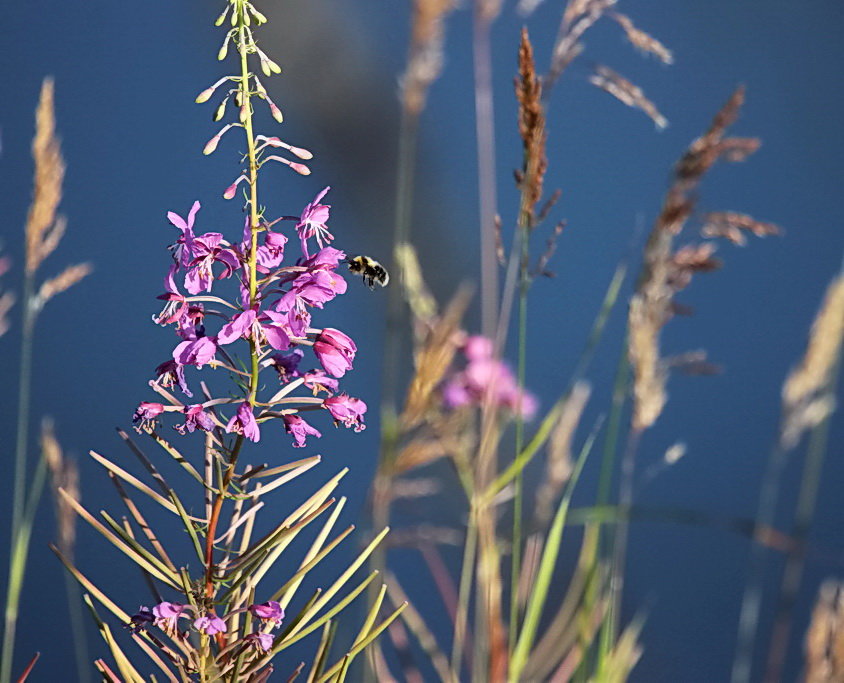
pixel 42 234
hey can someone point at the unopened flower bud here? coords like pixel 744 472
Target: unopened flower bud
pixel 301 169
pixel 276 112
pixel 244 113
pixel 222 17
pixel 211 145
pixel 221 110
pixel 205 95
pixel 224 50
pixel 260 18
pixel 301 153
pixel 232 189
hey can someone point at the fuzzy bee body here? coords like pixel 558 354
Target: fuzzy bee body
pixel 370 270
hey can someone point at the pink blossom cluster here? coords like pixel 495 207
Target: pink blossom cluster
pixel 275 320
pixel 166 615
pixel 486 378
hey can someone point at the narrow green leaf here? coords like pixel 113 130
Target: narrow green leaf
pixel 346 575
pixel 117 542
pixel 138 548
pixel 362 645
pixel 538 595
pixel 321 655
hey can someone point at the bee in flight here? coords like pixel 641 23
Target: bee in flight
pixel 370 270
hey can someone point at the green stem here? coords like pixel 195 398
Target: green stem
pixel 245 94
pixel 467 572
pixel 17 568
pixel 16 562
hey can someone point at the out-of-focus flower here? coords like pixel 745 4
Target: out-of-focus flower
pixel 486 378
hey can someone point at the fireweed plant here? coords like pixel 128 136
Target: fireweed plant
pixel 216 619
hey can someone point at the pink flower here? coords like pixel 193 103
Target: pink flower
pixel 299 430
pixel 210 624
pixel 167 615
pixel 266 326
pixel 271 252
pixel 244 423
pixel 183 248
pixel 271 611
pixel 262 642
pixel 348 410
pixel 195 418
pixel 208 249
pixel 169 374
pixel 312 223
pixel 335 351
pixel 145 414
pixel 197 352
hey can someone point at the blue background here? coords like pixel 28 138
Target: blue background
pixel 126 75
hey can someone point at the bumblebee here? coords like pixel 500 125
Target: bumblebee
pixel 370 270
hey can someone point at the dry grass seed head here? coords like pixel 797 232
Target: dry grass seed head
pixel 62 282
pixel 712 145
pixel 578 17
pixel 824 645
pixel 732 225
pixel 645 42
pixel 626 92
pixel 560 462
pixel 805 394
pixel 433 359
pixel 426 51
pixel 666 272
pixel 531 123
pixel 64 474
pixel 47 190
